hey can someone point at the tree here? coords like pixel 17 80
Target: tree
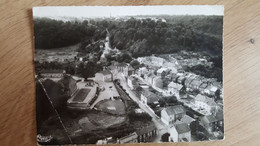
pixel 135 64
pixel 124 57
pixel 139 116
pixel 56 93
pixel 165 137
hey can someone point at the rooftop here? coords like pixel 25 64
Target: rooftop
pixel 151 97
pixel 161 70
pixel 205 99
pixel 175 85
pixel 195 82
pixel 128 138
pixel 145 129
pixel 187 119
pixel 52 71
pixel 182 128
pixel 219 115
pixel 204 85
pixel 171 110
pixel 208 119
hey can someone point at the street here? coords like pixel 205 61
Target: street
pixel 162 128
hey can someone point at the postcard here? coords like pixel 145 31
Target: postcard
pixel 128 74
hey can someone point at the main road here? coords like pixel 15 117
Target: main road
pixel 162 128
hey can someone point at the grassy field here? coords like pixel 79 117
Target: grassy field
pixel 104 120
pixel 56 54
pixel 115 107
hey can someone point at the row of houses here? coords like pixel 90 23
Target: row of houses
pixel 194 61
pixel 143 134
pixel 179 122
pixel 191 81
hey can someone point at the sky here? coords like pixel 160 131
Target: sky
pixel 120 11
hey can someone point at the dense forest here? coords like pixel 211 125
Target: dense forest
pixel 148 36
pixel 51 33
pixel 140 36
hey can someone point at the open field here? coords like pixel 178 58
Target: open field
pixel 116 107
pixel 57 54
pixel 105 120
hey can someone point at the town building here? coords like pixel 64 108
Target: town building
pixel 162 71
pixel 90 82
pixel 54 75
pixel 181 80
pixel 180 133
pixel 149 78
pixel 172 113
pixel 146 133
pixel 130 82
pixel 205 104
pixel 174 77
pixel 209 122
pixel 220 120
pixel 125 68
pixel 104 76
pixel 174 89
pixel 213 122
pixel 149 98
pixel 203 86
pixel 211 90
pixel 108 140
pixel 131 138
pixel 195 84
pixel 78 79
pixel 187 119
pixel 129 70
pixel 142 71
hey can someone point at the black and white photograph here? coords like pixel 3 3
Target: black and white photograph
pixel 128 74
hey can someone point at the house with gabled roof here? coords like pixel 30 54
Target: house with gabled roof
pixel 205 103
pixel 180 133
pixel 211 90
pixel 148 97
pixel 187 119
pixel 209 122
pixel 170 114
pixel 203 86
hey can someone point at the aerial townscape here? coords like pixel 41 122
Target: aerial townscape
pixel 118 86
